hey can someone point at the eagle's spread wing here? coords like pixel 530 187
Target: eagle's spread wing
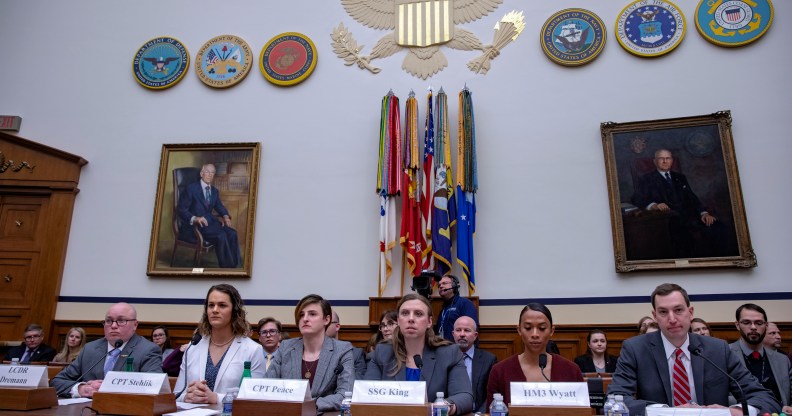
pixel 377 14
pixel 151 60
pixel 466 11
pixel 169 60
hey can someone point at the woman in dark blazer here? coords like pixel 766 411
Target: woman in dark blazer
pixel 327 364
pixel 596 359
pixel 440 364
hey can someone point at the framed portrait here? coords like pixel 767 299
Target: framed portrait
pixel 205 210
pixel 675 196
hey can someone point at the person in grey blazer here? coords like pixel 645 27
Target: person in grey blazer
pixel 442 366
pixel 120 323
pixel 326 363
pixel 643 372
pixel 760 361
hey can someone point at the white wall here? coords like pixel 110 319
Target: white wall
pixel 543 216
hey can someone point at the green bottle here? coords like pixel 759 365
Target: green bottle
pixel 129 367
pixel 246 372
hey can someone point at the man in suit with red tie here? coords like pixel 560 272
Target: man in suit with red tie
pixel 673 367
pixel 477 361
pixel 34 349
pixel 197 207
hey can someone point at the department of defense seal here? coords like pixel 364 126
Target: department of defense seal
pixel 733 22
pixel 650 28
pixel 224 61
pixel 573 37
pixel 288 59
pixel 160 63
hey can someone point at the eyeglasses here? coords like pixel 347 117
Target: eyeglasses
pixel 270 333
pixel 746 322
pixel 387 325
pixel 32 337
pixel 119 322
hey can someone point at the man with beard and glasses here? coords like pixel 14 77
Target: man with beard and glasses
pixel 771 368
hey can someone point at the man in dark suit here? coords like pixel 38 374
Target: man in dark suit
pixel 357 353
pixel 477 361
pixel 648 363
pixel 34 349
pixel 196 206
pixel 666 191
pixel 100 356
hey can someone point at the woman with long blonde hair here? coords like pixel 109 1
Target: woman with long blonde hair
pixel 74 343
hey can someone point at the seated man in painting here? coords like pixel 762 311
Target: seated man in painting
pixel 196 207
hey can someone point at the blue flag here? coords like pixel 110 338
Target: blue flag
pixel 466 228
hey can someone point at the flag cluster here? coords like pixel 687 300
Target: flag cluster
pixel 436 211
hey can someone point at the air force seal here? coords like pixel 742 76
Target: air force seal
pixel 573 37
pixel 160 63
pixel 650 28
pixel 224 61
pixel 288 59
pixel 733 22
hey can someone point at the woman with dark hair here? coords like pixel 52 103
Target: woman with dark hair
pixel 161 337
pixel 644 323
pixel 596 359
pixel 75 341
pixel 443 369
pixel 700 326
pixel 535 328
pixel 326 363
pixel 217 361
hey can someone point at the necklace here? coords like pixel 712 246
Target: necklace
pixel 221 344
pixel 308 367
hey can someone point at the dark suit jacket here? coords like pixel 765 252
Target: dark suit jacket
pixel 643 371
pixel 782 370
pixel 335 371
pixel 443 370
pixel 360 363
pixel 652 187
pixel 482 364
pixel 192 203
pixel 43 353
pixel 586 363
pixel 147 358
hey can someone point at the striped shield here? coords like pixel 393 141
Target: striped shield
pixel 425 22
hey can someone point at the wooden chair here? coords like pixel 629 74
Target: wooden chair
pixel 181 178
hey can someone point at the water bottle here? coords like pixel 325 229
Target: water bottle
pixel 607 407
pixel 129 368
pixel 228 400
pixel 245 372
pixel 346 404
pixel 440 406
pixel 619 407
pixel 15 361
pixel 498 407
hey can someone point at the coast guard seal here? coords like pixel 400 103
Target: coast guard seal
pixel 650 28
pixel 160 63
pixel 573 37
pixel 224 61
pixel 288 59
pixel 733 22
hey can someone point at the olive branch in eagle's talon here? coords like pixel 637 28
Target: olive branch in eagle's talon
pixel 346 48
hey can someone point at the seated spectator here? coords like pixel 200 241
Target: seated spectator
pixel 172 364
pixel 477 361
pixel 643 323
pixel 596 359
pixel 388 321
pixel 358 353
pixel 651 327
pixel 34 349
pixel 700 326
pixel 270 337
pixel 73 344
pixel 161 337
pixel 535 327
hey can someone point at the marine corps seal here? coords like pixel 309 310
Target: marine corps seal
pixel 288 59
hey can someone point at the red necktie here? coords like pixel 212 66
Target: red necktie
pixel 681 382
pixel 756 356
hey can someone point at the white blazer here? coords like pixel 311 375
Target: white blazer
pixel 193 366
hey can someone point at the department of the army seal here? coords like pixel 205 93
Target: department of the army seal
pixel 288 59
pixel 224 61
pixel 160 63
pixel 573 37
pixel 650 28
pixel 733 22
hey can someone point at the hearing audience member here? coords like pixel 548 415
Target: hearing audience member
pixel 327 363
pixel 74 343
pixel 454 306
pixel 34 349
pixel 357 353
pixel 478 362
pixel 596 359
pixel 700 326
pixel 643 323
pixel 270 337
pixel 161 337
pixel 216 363
pixel 652 327
pixel 773 338
pixel 535 327
pixel 438 362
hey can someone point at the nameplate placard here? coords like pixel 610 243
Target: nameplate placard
pixel 549 394
pixel 23 376
pixel 389 392
pixel 137 383
pixel 274 389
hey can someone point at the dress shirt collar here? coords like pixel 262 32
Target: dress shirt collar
pixel 670 348
pixel 746 350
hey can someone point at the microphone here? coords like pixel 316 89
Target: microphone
pixel 543 364
pixel 697 351
pixel 195 339
pixel 419 362
pixel 116 346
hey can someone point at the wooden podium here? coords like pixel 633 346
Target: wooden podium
pixel 369 409
pixel 27 398
pixel 550 410
pixel 271 408
pixel 129 404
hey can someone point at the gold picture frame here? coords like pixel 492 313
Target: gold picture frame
pixel 190 233
pixel 661 222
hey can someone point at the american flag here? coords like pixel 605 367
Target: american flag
pixel 211 57
pixel 733 15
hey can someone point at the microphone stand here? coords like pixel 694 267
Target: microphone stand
pixel 116 346
pixel 743 401
pixel 543 364
pixel 195 339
